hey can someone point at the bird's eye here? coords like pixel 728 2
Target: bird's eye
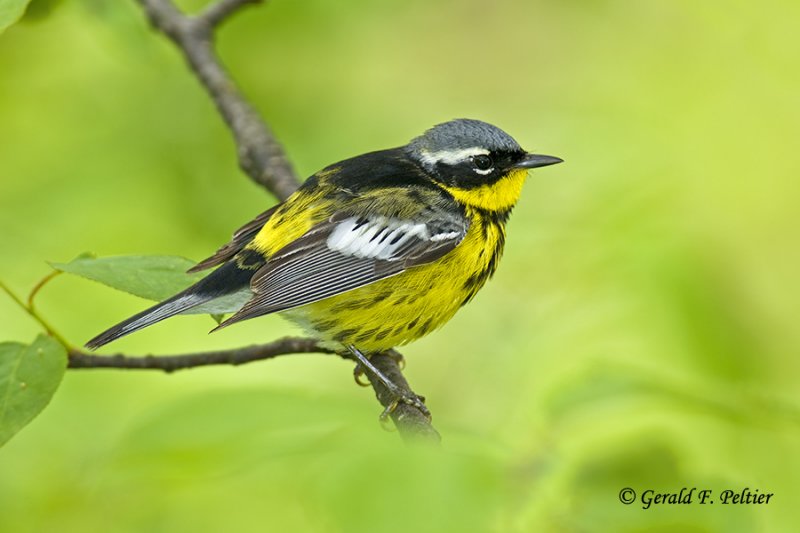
pixel 482 162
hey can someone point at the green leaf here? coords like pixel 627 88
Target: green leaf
pixel 11 11
pixel 154 277
pixel 29 375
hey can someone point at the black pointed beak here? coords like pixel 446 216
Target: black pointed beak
pixel 537 160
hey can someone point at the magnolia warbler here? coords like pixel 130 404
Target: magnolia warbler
pixel 371 252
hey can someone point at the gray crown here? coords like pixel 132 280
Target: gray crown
pixel 460 134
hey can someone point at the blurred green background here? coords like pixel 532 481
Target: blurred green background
pixel 641 331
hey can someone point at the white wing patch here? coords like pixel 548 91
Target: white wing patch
pixel 378 238
pixel 445 236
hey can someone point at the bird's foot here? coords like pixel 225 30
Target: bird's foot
pixel 399 395
pixel 408 398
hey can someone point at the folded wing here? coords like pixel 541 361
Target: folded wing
pixel 347 252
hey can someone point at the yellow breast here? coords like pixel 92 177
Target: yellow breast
pixel 402 308
pixel 405 307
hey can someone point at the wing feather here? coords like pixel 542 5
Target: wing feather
pixel 345 253
pixel 241 238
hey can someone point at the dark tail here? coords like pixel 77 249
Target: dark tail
pixel 227 279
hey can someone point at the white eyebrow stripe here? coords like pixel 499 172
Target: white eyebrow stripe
pixel 451 157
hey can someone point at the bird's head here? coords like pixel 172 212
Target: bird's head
pixel 479 164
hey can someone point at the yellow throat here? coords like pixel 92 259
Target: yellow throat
pixel 498 196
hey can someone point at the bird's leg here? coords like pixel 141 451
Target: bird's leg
pixel 400 395
pixel 358 371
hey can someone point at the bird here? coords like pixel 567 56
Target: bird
pixel 372 252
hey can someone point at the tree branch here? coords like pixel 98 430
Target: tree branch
pixel 217 12
pixel 410 421
pixel 172 363
pixel 262 158
pixel 260 155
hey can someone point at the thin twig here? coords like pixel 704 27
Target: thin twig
pixel 412 423
pixel 42 282
pixel 172 363
pixel 31 310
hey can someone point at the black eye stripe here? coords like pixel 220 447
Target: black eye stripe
pixel 482 162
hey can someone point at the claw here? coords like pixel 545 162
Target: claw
pixel 398 358
pixel 418 402
pixel 385 416
pixel 358 374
